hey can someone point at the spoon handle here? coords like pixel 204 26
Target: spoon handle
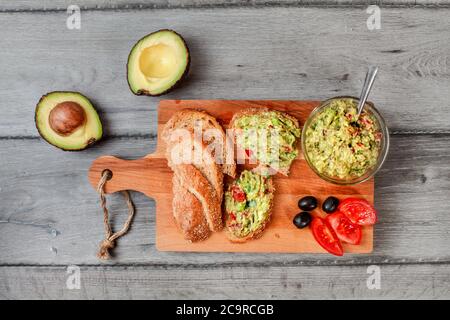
pixel 368 82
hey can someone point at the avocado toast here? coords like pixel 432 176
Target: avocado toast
pixel 248 205
pixel 269 136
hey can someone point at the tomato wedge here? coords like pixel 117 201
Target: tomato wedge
pixel 359 211
pixel 345 230
pixel 326 237
pixel 238 194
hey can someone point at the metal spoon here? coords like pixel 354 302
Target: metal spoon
pixel 368 82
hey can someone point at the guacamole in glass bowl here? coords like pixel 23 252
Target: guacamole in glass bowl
pixel 339 146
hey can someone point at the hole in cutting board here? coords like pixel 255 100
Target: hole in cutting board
pixel 109 174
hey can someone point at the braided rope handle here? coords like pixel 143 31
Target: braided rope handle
pixel 110 239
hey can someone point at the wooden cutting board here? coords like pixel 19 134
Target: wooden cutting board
pixel 151 176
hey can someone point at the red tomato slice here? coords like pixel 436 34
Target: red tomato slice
pixel 345 230
pixel 326 237
pixel 359 211
pixel 238 194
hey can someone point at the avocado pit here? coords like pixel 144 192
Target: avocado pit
pixel 66 117
pixel 68 120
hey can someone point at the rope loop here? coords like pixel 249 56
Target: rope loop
pixel 110 239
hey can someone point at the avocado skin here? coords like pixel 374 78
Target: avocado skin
pixel 91 141
pixel 176 84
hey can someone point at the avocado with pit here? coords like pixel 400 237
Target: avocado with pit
pixel 68 120
pixel 157 63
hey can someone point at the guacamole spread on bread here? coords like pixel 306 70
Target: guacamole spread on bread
pixel 338 144
pixel 270 137
pixel 247 203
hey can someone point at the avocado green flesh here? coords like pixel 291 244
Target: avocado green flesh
pixel 157 62
pixel 281 136
pixel 248 215
pixel 340 145
pixel 90 132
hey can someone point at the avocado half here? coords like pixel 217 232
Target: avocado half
pixel 68 120
pixel 157 63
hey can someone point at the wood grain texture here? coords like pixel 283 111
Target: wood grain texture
pixel 50 216
pixel 26 5
pixel 47 202
pixel 423 281
pixel 238 53
pixel 152 176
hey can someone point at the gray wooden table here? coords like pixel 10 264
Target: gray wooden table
pixel 50 216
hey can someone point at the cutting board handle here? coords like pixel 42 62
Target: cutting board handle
pixel 149 175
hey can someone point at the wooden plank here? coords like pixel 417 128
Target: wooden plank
pixel 49 214
pixel 151 176
pixel 238 53
pixel 134 4
pixel 422 281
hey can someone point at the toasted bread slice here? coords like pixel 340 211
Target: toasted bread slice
pixel 190 119
pixel 253 111
pixel 258 111
pixel 193 180
pixel 188 213
pixel 231 218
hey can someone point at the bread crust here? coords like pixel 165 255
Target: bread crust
pixel 256 111
pixel 258 232
pixel 194 181
pixel 187 211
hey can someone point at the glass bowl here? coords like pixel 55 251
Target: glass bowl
pixel 384 143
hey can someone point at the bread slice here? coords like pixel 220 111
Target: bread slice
pixel 198 178
pixel 189 119
pixel 188 213
pixel 255 111
pixel 257 232
pixel 205 164
pixel 193 180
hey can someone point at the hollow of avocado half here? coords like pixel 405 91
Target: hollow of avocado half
pixel 157 63
pixel 68 120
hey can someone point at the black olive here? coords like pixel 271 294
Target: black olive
pixel 302 219
pixel 308 203
pixel 330 204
